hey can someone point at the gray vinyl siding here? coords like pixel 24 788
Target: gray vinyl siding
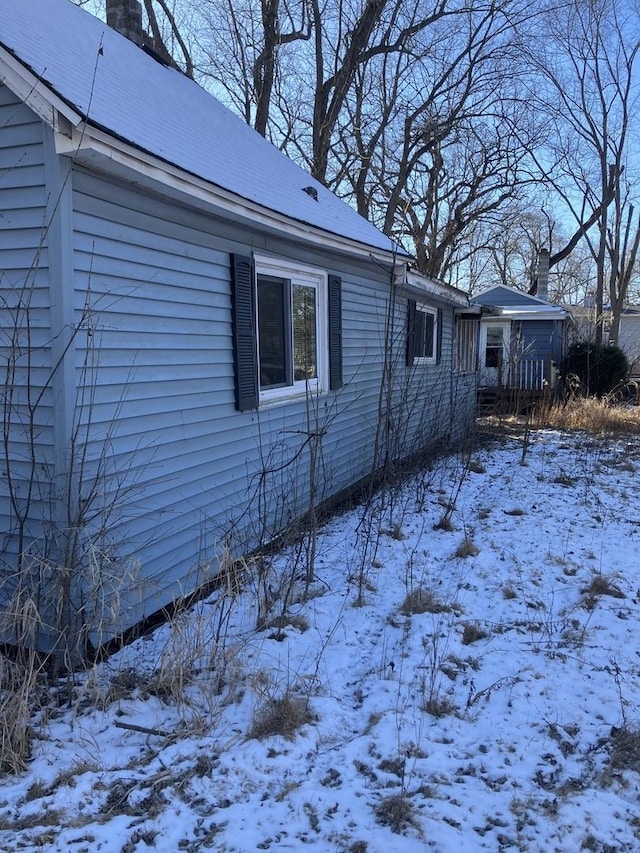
pixel 24 280
pixel 166 474
pixel 539 339
pixel 162 391
pixel 629 339
pixel 434 405
pixel 500 297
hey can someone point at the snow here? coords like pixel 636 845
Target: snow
pixel 123 90
pixel 533 744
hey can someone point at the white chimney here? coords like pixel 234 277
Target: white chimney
pixel 125 16
pixel 542 281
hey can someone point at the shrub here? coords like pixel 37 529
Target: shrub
pixel 593 369
pixel 467 548
pixel 421 600
pixel 281 716
pixel 397 812
pixel 471 633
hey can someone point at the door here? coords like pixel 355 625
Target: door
pixel 494 353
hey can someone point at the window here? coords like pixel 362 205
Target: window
pixel 287 330
pixel 290 322
pixel 493 353
pixel 425 331
pixel 424 335
pixel 465 353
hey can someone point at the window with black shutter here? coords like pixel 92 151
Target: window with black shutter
pixel 287 330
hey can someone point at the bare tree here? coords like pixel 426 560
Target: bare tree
pixel 241 51
pixel 589 66
pixel 441 135
pixel 168 40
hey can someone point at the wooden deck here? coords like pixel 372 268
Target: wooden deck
pixel 521 384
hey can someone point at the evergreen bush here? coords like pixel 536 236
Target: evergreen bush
pixel 593 369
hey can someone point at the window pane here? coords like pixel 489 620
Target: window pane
pixel 419 334
pixel 305 364
pixel 425 322
pixel 494 336
pixel 272 338
pixel 493 352
pixel 429 322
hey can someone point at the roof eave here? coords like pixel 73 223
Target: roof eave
pixel 517 314
pixel 88 141
pixel 419 284
pixel 30 89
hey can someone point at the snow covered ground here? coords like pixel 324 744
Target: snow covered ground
pixel 504 717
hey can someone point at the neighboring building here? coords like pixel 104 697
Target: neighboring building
pixel 629 337
pixel 522 336
pixel 198 339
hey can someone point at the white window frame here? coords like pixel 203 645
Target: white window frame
pixel 304 276
pixel 427 359
pixel 505 327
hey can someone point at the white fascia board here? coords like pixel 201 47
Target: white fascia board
pixel 35 94
pixel 97 142
pixel 420 285
pixel 533 314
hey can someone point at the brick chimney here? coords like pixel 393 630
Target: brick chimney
pixel 125 16
pixel 542 280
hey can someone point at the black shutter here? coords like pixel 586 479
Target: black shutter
pixel 439 338
pixel 335 332
pixel 411 331
pixel 244 333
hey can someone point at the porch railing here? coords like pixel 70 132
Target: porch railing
pixel 528 374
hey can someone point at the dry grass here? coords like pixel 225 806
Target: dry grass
pixel 198 667
pixel 20 684
pixel 591 415
pixel 18 690
pixel 603 585
pixel 422 600
pixel 467 548
pixel 625 749
pixel 280 716
pixel 438 707
pixel 445 523
pixel 599 586
pixel 397 812
pixel 285 620
pixel 471 633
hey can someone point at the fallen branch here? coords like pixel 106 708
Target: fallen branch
pixel 145 731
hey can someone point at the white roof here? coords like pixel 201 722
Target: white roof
pixel 518 304
pixel 120 89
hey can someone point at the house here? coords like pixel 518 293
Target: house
pixel 522 336
pixel 199 341
pixel 629 338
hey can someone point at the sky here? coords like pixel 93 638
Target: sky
pixel 503 717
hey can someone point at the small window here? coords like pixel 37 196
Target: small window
pixel 426 323
pixel 494 348
pixel 291 321
pixel 424 333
